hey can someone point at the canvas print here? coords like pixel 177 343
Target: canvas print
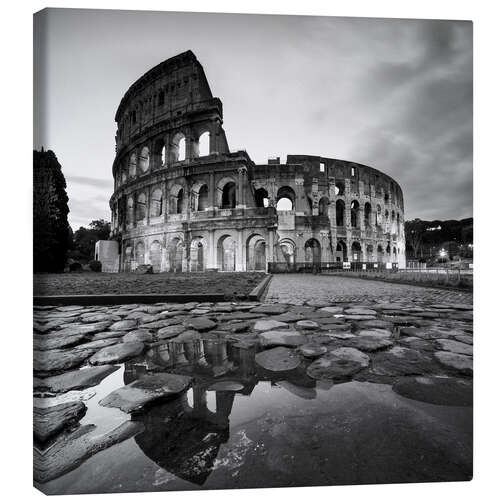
pixel 253 251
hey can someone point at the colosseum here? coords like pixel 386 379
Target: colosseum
pixel 183 201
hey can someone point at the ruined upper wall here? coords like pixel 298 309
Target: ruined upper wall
pixel 322 169
pixel 172 88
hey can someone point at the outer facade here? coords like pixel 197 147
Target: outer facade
pixel 184 202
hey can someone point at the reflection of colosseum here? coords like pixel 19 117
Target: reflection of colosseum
pixel 184 202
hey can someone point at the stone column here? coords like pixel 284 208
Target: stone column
pixel 239 252
pixel 240 202
pixel 211 250
pixel 211 191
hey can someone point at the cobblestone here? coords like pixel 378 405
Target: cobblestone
pixel 300 288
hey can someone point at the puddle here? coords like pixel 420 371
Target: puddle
pixel 278 429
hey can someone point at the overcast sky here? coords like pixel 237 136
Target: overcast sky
pixel 392 94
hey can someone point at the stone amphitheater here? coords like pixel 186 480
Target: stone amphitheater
pixel 183 201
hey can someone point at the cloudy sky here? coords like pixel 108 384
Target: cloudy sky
pixel 392 94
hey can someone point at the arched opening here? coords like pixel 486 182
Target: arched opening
pixel 261 198
pixel 130 210
pixel 355 214
pixel 144 159
pixel 256 253
pixel 155 256
pixel 369 253
pixel 285 199
pixel 203 198
pixel 163 156
pixel 380 253
pixel 127 260
pixel 139 253
pixel 388 249
pixel 178 148
pixel 140 210
pixel 394 255
pixel 204 144
pixel 398 223
pixel 339 188
pixel 175 250
pixel 197 255
pixel 226 253
pixel 386 198
pixel 313 251
pixel 340 213
pixel 367 215
pixel 341 251
pixel 379 216
pixel 323 206
pixel 179 202
pixel 124 176
pixel 287 252
pixel 356 251
pixel 132 165
pixel 156 203
pixel 229 195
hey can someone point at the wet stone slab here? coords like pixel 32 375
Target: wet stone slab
pixel 242 359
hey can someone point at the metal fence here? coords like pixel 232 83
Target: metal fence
pixel 329 267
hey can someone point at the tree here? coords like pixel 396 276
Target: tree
pixel 86 238
pixel 50 213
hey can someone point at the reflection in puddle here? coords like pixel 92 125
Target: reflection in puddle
pixel 273 429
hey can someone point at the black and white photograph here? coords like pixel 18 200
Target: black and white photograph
pixel 253 251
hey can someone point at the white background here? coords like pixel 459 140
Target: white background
pixel 16 241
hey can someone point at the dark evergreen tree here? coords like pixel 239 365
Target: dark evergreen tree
pixel 50 213
pixel 85 239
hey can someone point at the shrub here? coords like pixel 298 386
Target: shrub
pixel 95 265
pixel 75 267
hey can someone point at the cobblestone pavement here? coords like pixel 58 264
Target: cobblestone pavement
pixel 299 288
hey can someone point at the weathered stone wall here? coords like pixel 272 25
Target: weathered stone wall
pixel 184 202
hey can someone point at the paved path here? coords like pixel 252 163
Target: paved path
pixel 298 288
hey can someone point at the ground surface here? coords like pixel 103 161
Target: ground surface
pixel 298 288
pixel 373 390
pixel 129 283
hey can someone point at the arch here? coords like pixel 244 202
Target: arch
pixel 380 253
pixel 323 204
pixel 369 253
pixel 394 254
pixel 144 159
pixel 367 214
pixel 256 253
pixel 355 214
pixel 313 251
pixel 261 198
pixel 356 251
pixel 388 249
pixel 287 251
pixel 197 254
pixel 204 144
pixel 127 260
pixel 156 203
pixel 341 251
pixel 379 215
pixel 132 165
pixel 228 195
pixel 176 199
pixel 175 250
pixel 339 188
pixel 178 148
pixel 124 176
pixel 140 211
pixel 155 256
pixel 203 198
pixel 285 192
pixel 340 213
pixel 139 253
pixel 130 209
pixel 226 253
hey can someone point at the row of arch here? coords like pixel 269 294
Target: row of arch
pixel 137 207
pixel 286 201
pixel 312 247
pixel 139 162
pixel 175 258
